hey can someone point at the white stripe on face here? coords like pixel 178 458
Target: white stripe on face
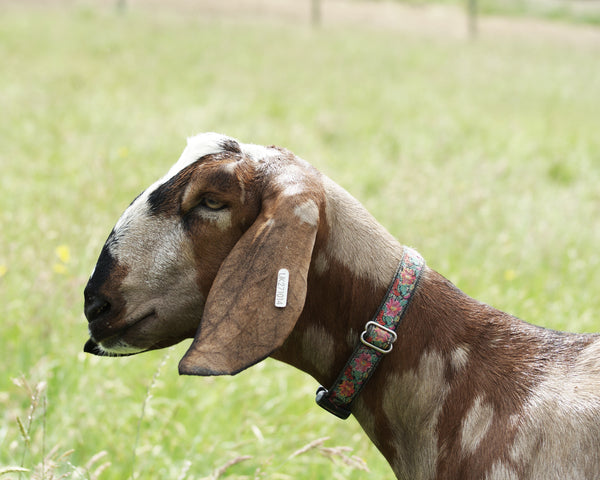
pixel 197 147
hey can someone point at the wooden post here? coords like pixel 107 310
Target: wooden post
pixel 315 13
pixel 472 9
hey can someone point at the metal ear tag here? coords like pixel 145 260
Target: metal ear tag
pixel 283 279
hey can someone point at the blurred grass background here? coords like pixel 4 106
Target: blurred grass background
pixel 484 155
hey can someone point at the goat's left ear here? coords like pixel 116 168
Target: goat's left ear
pixel 241 325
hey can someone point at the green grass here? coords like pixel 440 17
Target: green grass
pixel 484 156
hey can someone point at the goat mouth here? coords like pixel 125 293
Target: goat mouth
pixel 95 349
pixel 103 338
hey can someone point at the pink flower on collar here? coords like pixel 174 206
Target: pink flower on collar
pixel 363 363
pixel 408 276
pixel 393 307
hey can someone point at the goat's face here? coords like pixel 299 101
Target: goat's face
pixel 197 255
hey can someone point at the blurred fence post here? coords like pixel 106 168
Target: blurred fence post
pixel 472 9
pixel 315 13
pixel 121 4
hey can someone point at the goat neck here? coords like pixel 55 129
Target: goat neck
pixel 353 261
pixel 448 401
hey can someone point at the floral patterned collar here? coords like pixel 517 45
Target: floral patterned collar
pixel 376 340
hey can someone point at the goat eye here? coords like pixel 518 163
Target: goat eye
pixel 212 204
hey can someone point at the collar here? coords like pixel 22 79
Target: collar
pixel 376 340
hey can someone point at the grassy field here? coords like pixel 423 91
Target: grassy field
pixel 499 137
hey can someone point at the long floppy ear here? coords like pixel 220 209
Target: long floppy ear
pixel 241 325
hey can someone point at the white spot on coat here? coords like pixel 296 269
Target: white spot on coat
pixel 476 424
pixel 412 404
pixel 459 358
pixel 308 212
pixel 318 348
pixel 292 190
pixel 499 471
pixel 559 433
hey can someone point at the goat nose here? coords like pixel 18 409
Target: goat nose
pixel 95 305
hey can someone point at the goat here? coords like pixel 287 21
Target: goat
pixel 468 392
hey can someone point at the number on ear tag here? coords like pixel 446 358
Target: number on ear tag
pixel 283 278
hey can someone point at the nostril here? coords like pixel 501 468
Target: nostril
pixel 95 306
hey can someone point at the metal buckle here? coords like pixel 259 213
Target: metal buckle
pixel 385 329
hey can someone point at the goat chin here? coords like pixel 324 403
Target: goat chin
pixel 95 349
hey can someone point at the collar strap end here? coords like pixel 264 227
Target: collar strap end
pixel 324 401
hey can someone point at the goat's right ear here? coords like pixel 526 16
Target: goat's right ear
pixel 241 325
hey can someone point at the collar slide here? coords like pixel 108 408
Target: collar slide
pixel 376 340
pixel 381 342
